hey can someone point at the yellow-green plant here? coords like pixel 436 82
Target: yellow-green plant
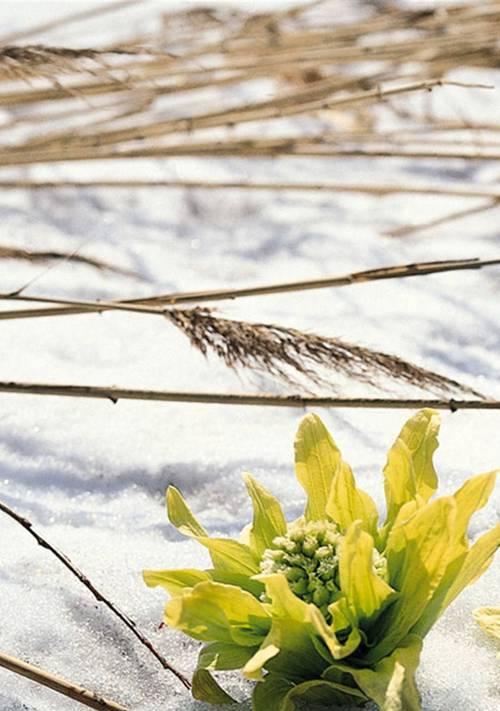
pixel 488 618
pixel 331 609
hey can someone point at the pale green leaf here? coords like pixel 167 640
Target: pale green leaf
pixel 222 613
pixel 320 693
pixel 269 694
pixel 420 435
pixel 181 516
pixel 221 656
pixel 292 633
pixel 409 472
pixel 327 636
pixel 391 683
pixel 477 561
pixel 417 556
pixel 268 519
pixel 394 694
pixel 241 580
pixel 367 594
pixel 174 581
pixel 227 555
pixel 283 602
pixel 347 503
pixel 488 618
pixel 253 669
pixel 230 556
pixel 471 497
pixel 316 461
pixel 205 688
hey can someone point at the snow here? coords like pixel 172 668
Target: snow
pixel 91 475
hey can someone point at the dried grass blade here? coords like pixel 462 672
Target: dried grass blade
pixel 115 394
pixel 37 256
pixel 58 684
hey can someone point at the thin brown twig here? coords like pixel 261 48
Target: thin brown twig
pixel 36 256
pixel 379 189
pixel 58 684
pixel 114 394
pixel 68 307
pixel 406 230
pixel 362 277
pixel 251 148
pixel 63 558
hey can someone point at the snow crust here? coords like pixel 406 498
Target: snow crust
pixel 91 475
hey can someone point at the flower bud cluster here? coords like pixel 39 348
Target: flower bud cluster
pixel 308 556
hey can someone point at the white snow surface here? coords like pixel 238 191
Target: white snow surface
pixel 91 475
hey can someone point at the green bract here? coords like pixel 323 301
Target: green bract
pixel 331 609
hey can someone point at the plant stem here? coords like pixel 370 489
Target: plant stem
pixel 127 621
pixel 115 394
pixel 56 683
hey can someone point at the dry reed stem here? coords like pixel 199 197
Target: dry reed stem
pixel 362 277
pixel 79 575
pixel 250 148
pixel 463 36
pixel 37 256
pixel 274 109
pixel 114 394
pixel 58 684
pixel 377 189
pixel 77 306
pixel 406 230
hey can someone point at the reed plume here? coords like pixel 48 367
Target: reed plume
pixel 281 351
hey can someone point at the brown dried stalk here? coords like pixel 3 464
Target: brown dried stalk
pixel 37 256
pixel 250 148
pixel 68 307
pixel 127 621
pixel 58 684
pixel 115 394
pixel 243 47
pixel 406 230
pixel 264 110
pixel 277 350
pixel 377 189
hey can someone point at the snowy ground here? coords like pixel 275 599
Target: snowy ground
pixel 92 475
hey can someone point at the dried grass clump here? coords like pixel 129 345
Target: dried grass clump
pixel 32 61
pixel 315 68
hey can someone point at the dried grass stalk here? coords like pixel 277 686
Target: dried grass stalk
pixel 307 56
pixel 98 595
pixel 376 189
pixel 115 394
pixel 37 256
pixel 56 683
